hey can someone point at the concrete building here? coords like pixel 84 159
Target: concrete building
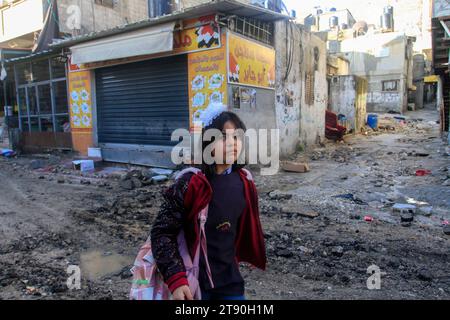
pixel 386 61
pixel 412 17
pixel 441 59
pixel 268 70
pixel 301 86
pixel 22 20
pixel 35 87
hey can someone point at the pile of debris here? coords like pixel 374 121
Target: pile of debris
pixel 136 179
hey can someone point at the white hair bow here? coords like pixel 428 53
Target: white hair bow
pixel 208 115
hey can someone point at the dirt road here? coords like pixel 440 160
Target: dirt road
pixel 318 243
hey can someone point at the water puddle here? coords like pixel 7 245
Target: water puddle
pixel 95 264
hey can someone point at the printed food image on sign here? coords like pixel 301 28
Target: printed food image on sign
pixel 210 66
pixel 80 100
pixel 215 98
pixel 75 108
pixel 216 81
pixel 198 83
pixel 250 63
pixel 199 100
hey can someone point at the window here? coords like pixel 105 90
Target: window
pixel 58 68
pixel 23 71
pixel 390 86
pixel 40 70
pixel 45 100
pixel 42 96
pixel 309 89
pixel 106 3
pixel 252 28
pixel 60 92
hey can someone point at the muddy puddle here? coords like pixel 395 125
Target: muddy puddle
pixel 96 264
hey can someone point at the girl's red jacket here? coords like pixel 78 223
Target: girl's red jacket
pixel 183 202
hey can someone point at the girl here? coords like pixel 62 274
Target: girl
pixel 233 229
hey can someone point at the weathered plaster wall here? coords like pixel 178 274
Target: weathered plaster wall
pixel 300 123
pixel 382 57
pixel 343 97
pixel 95 17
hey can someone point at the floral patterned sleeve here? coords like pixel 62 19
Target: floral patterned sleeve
pixel 164 234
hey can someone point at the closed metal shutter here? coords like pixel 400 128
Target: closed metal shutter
pixel 142 103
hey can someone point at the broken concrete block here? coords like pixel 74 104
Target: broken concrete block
pixel 279 195
pixel 126 184
pixel 160 172
pixel 159 179
pixel 426 211
pixel 136 182
pixel 406 217
pixel 400 207
pixel 37 164
pixel 295 167
pixel 294 209
pixel 447 230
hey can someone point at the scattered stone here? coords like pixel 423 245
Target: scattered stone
pixel 406 224
pixel 126 184
pixel 305 250
pixel 426 211
pixel 407 217
pixel 424 275
pixel 279 195
pixel 136 182
pixel 37 164
pixel 295 167
pixel 285 253
pixel 293 209
pixel 61 180
pixel 159 172
pixel 159 179
pixel 447 230
pixel 337 251
pixel 85 182
pixel 399 207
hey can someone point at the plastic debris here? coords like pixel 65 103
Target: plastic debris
pixel 422 172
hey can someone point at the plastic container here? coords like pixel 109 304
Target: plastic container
pixel 372 121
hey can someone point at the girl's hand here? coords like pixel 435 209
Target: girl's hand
pixel 182 293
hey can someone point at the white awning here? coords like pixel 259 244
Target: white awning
pixel 150 40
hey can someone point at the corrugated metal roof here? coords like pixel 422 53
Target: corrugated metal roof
pixel 31 56
pixel 230 7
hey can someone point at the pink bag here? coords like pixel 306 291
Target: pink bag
pixel 148 283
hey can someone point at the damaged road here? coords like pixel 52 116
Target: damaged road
pixel 323 228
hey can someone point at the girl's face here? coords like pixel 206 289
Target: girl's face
pixel 230 146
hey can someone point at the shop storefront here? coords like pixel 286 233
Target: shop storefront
pixel 129 91
pixel 41 97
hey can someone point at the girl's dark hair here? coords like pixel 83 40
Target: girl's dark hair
pixel 219 123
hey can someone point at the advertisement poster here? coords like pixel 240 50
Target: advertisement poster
pixel 250 63
pixel 203 35
pixel 80 100
pixel 207 81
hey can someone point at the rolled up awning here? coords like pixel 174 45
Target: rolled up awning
pixel 150 40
